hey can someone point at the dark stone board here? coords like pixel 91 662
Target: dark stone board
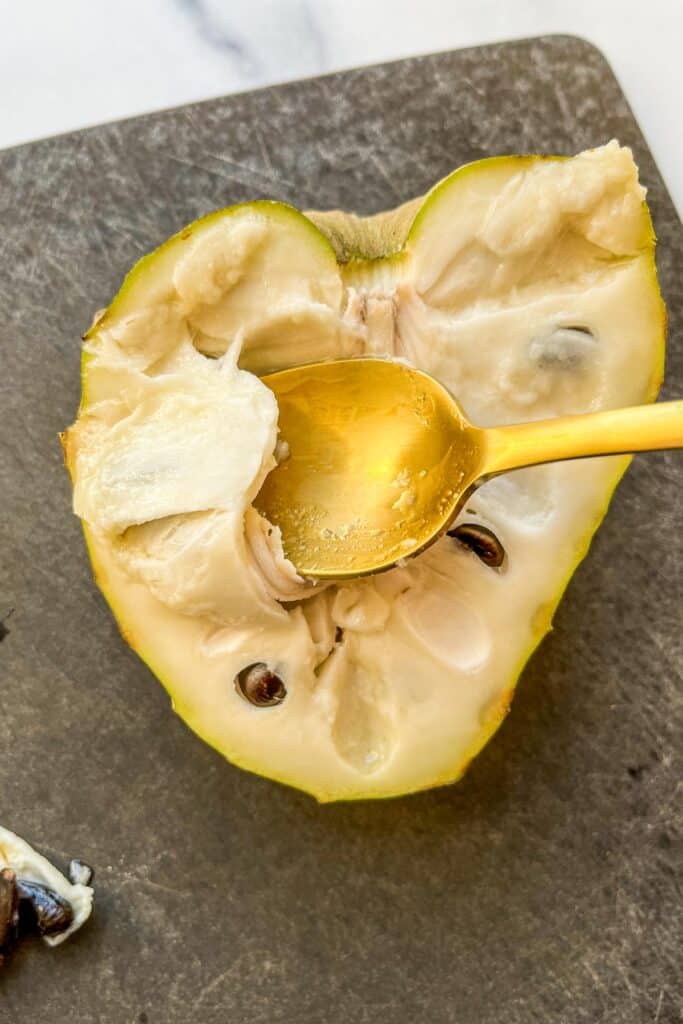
pixel 541 888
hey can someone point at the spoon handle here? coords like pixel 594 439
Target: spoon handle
pixel 614 432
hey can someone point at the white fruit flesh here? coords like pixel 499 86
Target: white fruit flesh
pixel 525 285
pixel 31 866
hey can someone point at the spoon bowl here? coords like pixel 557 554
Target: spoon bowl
pixel 380 459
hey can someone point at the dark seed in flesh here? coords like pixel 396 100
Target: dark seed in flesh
pixel 49 912
pixel 579 328
pixel 80 873
pixel 261 687
pixel 567 348
pixel 9 911
pixel 482 541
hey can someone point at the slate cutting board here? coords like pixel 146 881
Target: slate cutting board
pixel 543 887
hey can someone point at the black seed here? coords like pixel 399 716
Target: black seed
pixel 49 912
pixel 482 541
pixel 9 911
pixel 338 635
pixel 80 873
pixel 260 686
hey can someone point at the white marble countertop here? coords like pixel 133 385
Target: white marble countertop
pixel 73 63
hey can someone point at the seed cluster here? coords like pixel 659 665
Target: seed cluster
pixel 27 906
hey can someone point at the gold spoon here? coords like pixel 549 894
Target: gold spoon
pixel 381 460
